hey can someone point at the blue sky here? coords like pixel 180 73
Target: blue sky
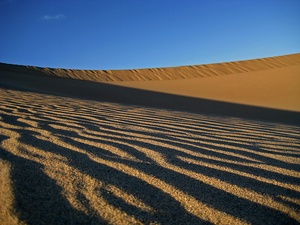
pixel 124 34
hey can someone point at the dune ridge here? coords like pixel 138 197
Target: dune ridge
pixel 268 82
pixel 171 73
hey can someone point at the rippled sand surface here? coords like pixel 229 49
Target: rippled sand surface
pixel 77 161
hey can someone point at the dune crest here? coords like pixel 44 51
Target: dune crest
pixel 172 73
pixel 269 82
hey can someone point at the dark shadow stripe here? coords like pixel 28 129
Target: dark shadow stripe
pixel 89 90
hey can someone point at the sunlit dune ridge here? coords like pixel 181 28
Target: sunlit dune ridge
pixel 268 82
pixel 171 73
pixel 71 161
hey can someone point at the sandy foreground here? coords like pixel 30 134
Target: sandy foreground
pixel 208 144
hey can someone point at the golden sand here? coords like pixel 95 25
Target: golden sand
pixel 74 152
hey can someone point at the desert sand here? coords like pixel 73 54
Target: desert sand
pixel 205 144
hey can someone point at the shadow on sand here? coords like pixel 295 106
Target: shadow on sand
pixel 89 90
pixel 36 192
pixel 38 199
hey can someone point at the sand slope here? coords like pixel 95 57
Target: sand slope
pixel 273 88
pixel 182 72
pixel 80 152
pixel 269 82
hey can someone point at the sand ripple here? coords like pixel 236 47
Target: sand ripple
pixel 77 161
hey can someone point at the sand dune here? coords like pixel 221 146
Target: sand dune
pixel 273 88
pixel 151 152
pixel 269 82
pixel 183 72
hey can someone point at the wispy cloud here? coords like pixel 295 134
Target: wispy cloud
pixel 55 17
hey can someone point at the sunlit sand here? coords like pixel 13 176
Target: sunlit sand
pixel 208 144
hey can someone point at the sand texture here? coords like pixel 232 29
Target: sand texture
pixel 152 146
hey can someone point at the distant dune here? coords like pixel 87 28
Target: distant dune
pixel 269 82
pixel 172 73
pixel 207 144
